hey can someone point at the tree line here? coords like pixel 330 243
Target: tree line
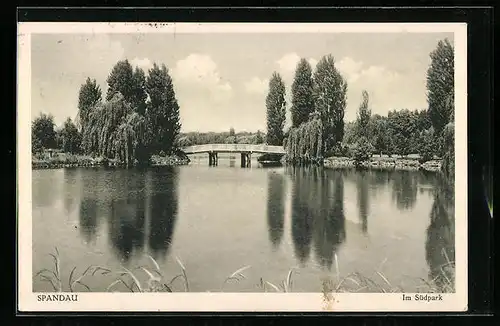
pixel 229 137
pixel 139 117
pixel 318 106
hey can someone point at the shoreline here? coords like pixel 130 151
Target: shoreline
pixel 329 163
pixel 86 162
pixel 384 163
pixel 176 160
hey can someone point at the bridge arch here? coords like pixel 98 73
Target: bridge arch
pixel 246 151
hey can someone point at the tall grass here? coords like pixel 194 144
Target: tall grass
pixel 284 286
pixel 380 283
pixel 54 277
pixel 153 279
pixel 237 276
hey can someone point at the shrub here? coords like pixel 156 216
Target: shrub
pixel 427 145
pixel 230 140
pixel 362 150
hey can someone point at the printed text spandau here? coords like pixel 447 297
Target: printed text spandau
pixel 423 297
pixel 57 297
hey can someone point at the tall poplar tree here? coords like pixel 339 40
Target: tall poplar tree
pixel 276 110
pixel 440 85
pixel 364 114
pixel 162 110
pixel 302 93
pixel 88 97
pixel 121 80
pixel 330 99
pixel 139 90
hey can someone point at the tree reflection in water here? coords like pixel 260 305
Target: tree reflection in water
pixel 317 213
pixel 380 177
pixel 88 209
pixel 41 195
pixel 163 210
pixel 440 244
pixel 362 177
pixel 72 178
pixel 124 197
pixel 404 189
pixel 275 207
pixel 301 215
pixel 329 218
pixel 127 220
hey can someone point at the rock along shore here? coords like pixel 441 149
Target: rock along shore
pixel 386 163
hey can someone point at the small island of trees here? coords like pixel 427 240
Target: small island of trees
pixel 138 118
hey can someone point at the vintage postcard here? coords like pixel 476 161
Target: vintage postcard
pixel 242 167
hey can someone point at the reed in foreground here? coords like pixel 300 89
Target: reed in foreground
pixel 149 278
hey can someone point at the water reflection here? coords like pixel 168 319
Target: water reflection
pixel 404 189
pixel 317 213
pixel 127 220
pixel 329 219
pixel 41 194
pixel 301 215
pixel 163 211
pixel 88 218
pixel 426 178
pixel 440 244
pixel 363 198
pixel 140 211
pixel 275 207
pixel 71 188
pixel 88 206
pixel 140 207
pixel 380 177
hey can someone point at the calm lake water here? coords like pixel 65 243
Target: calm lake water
pixel 218 219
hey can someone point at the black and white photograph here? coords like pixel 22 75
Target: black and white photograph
pixel 242 161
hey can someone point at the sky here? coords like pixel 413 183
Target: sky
pixel 221 80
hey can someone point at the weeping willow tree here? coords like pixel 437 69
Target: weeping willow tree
pixel 448 139
pixel 116 131
pixel 305 142
pixel 448 166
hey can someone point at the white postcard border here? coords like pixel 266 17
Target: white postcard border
pixel 349 302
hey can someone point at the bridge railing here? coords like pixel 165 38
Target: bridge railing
pixel 234 148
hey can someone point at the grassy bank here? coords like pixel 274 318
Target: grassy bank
pixel 65 160
pixel 148 277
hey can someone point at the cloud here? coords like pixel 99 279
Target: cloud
pixel 349 68
pixel 257 85
pixel 201 72
pixel 355 70
pixel 313 62
pixel 288 63
pixel 144 63
pixel 204 96
pixel 387 88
